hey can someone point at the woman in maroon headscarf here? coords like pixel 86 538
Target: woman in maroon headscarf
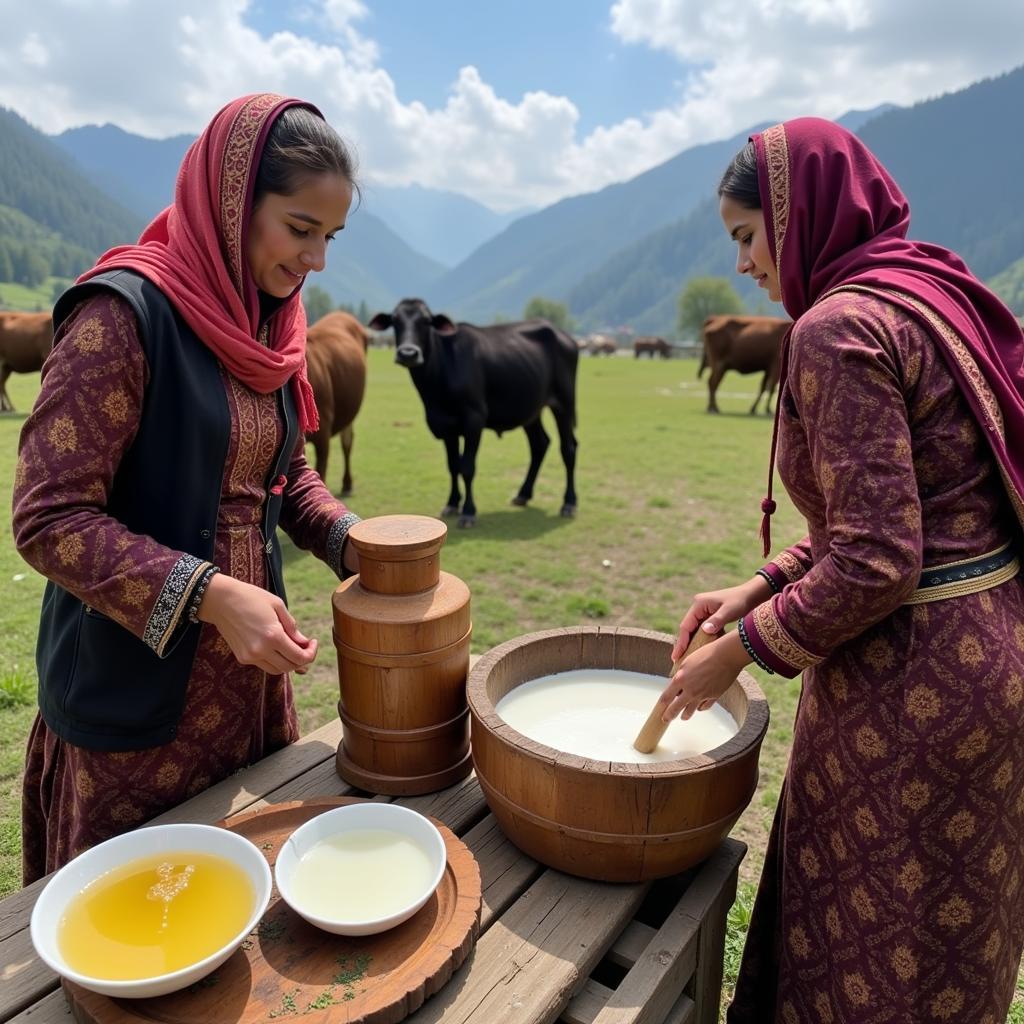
pixel 893 885
pixel 164 448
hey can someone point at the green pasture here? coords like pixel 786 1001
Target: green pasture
pixel 669 496
pixel 37 299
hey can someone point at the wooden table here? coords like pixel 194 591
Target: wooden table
pixel 551 947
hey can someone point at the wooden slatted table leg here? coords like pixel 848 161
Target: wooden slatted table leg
pixel 674 972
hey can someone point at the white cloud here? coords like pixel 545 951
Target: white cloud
pixel 34 52
pixel 784 58
pixel 160 69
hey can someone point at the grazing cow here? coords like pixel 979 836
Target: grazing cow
pixel 747 344
pixel 650 346
pixel 336 361
pixel 601 345
pixel 25 342
pixel 498 377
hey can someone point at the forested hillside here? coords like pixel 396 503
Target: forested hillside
pixel 551 251
pixel 640 285
pixel 41 182
pixel 30 253
pixel 960 160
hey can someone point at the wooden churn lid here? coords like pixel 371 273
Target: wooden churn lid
pixel 398 554
pixel 401 602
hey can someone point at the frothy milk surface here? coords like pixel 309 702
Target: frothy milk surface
pixel 597 713
pixel 361 875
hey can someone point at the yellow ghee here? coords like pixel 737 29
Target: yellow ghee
pixel 154 915
pixel 361 875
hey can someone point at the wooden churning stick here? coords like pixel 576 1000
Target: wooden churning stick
pixel 654 728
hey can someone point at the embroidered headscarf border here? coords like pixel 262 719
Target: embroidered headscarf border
pixel 235 170
pixel 776 155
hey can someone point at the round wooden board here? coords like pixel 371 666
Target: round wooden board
pixel 287 968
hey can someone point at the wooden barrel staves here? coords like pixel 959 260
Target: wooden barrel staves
pixel 611 821
pixel 402 630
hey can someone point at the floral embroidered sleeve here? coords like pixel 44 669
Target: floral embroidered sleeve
pixel 84 419
pixel 788 566
pixel 846 389
pixel 314 519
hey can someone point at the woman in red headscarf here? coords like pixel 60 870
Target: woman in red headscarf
pixel 165 447
pixel 893 885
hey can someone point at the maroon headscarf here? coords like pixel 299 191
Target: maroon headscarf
pixel 195 253
pixel 837 220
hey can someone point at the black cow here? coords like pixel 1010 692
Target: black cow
pixel 498 377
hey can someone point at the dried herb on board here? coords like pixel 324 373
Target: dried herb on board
pixel 287 1004
pixel 349 975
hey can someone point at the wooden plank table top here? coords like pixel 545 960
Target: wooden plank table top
pixel 543 933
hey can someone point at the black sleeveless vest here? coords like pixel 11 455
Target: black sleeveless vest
pixel 100 687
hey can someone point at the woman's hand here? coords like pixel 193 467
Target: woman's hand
pixel 256 625
pixel 705 676
pixel 709 672
pixel 715 609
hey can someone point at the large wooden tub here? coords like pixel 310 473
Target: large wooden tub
pixel 607 820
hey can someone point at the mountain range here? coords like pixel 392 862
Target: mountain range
pixel 619 256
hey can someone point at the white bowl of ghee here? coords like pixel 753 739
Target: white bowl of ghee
pixel 361 868
pixel 151 911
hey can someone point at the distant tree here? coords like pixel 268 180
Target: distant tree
pixel 18 255
pixel 6 268
pixel 703 297
pixel 550 310
pixel 57 289
pixel 69 261
pixel 318 303
pixel 364 312
pixel 37 268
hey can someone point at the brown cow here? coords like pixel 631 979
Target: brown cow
pixel 747 344
pixel 336 358
pixel 25 342
pixel 651 346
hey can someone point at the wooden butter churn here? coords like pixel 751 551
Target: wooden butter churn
pixel 402 630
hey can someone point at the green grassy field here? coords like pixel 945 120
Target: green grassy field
pixel 668 495
pixel 21 297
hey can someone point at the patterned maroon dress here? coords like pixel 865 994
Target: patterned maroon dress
pixel 892 888
pixel 84 420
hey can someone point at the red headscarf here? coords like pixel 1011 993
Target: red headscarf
pixel 194 252
pixel 837 220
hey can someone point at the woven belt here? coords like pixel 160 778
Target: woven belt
pixel 967 577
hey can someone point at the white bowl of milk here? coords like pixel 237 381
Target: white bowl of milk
pixel 361 868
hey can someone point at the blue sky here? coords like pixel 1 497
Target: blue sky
pixel 512 102
pixel 564 47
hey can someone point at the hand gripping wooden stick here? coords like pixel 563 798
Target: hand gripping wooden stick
pixel 654 728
